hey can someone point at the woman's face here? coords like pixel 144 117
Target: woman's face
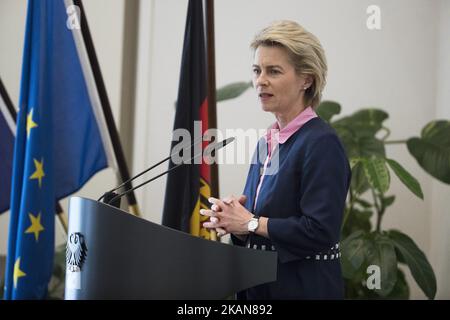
pixel 280 90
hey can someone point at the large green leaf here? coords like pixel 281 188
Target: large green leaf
pixel 359 181
pixel 369 146
pixel 408 180
pixel 401 288
pixel 355 289
pixel 370 116
pixel 358 131
pixel 377 173
pixel 432 149
pixel 327 109
pixel 232 90
pixel 387 201
pixel 417 262
pixel 359 146
pixel 357 220
pixel 382 254
pixel 363 203
pixel 363 123
pixel 353 249
pixel 348 140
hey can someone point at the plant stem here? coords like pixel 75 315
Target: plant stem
pixel 388 133
pixel 380 210
pixel 350 208
pixel 395 142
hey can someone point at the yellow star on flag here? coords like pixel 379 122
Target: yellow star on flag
pixel 30 123
pixel 36 226
pixel 17 272
pixel 39 173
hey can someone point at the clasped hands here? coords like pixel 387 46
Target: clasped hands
pixel 228 216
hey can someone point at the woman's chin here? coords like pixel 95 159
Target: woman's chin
pixel 266 108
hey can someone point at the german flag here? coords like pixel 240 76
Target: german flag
pixel 188 187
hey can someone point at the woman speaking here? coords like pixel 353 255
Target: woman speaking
pixel 293 205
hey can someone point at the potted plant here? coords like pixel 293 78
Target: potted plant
pixel 365 245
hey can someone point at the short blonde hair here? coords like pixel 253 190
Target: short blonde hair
pixel 304 50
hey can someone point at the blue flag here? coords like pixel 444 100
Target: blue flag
pixel 6 148
pixel 58 146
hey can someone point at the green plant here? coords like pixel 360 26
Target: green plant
pixel 232 90
pixel 364 137
pixel 56 285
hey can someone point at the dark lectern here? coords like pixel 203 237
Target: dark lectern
pixel 112 254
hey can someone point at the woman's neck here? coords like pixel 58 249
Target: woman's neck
pixel 284 118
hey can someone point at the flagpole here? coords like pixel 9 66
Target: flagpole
pixel 62 216
pixel 8 102
pixel 112 130
pixel 211 80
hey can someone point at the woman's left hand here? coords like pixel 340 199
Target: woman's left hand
pixel 230 215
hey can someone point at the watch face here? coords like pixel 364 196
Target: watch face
pixel 252 225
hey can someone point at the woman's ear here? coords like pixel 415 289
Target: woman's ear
pixel 308 81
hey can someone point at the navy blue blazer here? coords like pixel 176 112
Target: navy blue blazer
pixel 304 201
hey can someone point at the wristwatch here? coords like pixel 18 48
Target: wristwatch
pixel 253 224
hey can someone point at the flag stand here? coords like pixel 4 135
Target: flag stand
pixel 62 217
pixel 211 80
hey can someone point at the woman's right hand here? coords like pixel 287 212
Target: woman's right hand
pixel 221 232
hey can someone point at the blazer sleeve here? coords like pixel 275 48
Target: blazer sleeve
pixel 325 176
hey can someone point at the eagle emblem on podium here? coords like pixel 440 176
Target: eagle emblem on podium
pixel 76 252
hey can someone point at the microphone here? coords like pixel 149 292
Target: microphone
pixel 110 194
pixel 216 147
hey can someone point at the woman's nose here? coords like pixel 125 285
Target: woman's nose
pixel 261 80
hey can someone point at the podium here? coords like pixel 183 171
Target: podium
pixel 112 254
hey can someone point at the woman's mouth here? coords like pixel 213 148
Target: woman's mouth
pixel 265 96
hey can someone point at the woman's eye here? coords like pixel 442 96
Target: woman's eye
pixel 256 71
pixel 274 72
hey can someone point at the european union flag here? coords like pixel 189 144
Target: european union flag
pixel 58 146
pixel 6 148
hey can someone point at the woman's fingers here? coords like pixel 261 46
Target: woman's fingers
pixel 221 209
pixel 209 225
pixel 229 199
pixel 214 220
pixel 242 199
pixel 217 202
pixel 221 232
pixel 212 224
pixel 209 213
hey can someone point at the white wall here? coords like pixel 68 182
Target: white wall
pixel 402 68
pixel 440 219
